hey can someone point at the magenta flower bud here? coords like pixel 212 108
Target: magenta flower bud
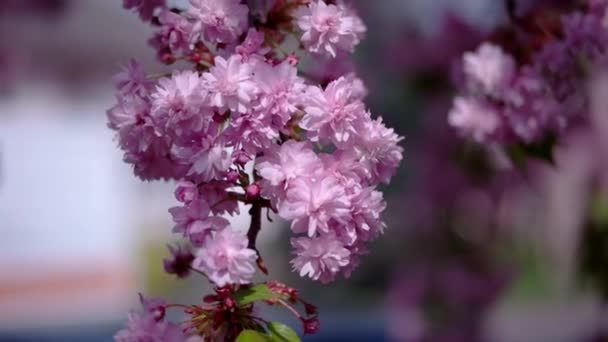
pixel 218 118
pixel 154 306
pixel 186 192
pixel 210 298
pixel 310 309
pixel 232 176
pixel 311 325
pixel 292 59
pixel 240 158
pixel 252 192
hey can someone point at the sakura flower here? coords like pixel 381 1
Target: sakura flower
pixel 140 327
pixel 193 221
pixel 156 162
pixel 219 21
pixel 329 29
pixel 174 34
pixel 145 8
pixel 474 118
pixel 177 104
pixel 215 193
pixel 282 164
pixel 320 258
pixel 252 43
pixel 132 80
pixel 230 84
pixel 252 133
pixel 367 205
pixel 154 306
pixel 280 91
pixel 377 147
pixel 334 113
pixel 130 117
pixel 149 326
pixel 147 151
pixel 208 160
pixel 225 259
pixel 312 204
pixel 489 69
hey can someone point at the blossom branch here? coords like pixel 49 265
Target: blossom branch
pixel 254 229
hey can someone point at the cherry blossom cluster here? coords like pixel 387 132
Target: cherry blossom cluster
pixel 527 83
pixel 239 123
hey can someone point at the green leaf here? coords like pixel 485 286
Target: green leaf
pixel 282 333
pixel 252 336
pixel 252 294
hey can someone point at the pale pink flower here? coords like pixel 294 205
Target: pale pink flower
pixel 367 205
pixel 377 148
pixel 132 80
pixel 329 29
pixel 219 21
pixel 230 84
pixel 226 259
pixel 194 222
pixel 175 32
pixel 251 133
pixel 208 159
pixel 488 69
pixel 156 162
pixel 252 44
pixel 334 113
pixel 177 104
pixel 130 117
pixel 143 327
pixel 312 204
pixel 215 193
pixel 281 164
pixel 145 8
pixel 320 258
pixel 280 91
pixel 474 118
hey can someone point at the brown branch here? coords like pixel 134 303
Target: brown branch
pixel 511 6
pixel 254 230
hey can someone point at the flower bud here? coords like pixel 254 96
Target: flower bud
pixel 252 192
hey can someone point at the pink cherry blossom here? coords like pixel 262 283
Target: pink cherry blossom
pixel 216 194
pixel 333 113
pixel 329 29
pixel 230 84
pixel 194 222
pixel 320 258
pixel 312 204
pixel 377 148
pixel 177 104
pixel 174 34
pixel 225 259
pixel 220 21
pixel 280 91
pixel 132 80
pixel 489 68
pixel 141 327
pixel 282 164
pixel 145 8
pixel 474 118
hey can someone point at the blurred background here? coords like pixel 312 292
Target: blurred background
pixel 473 251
